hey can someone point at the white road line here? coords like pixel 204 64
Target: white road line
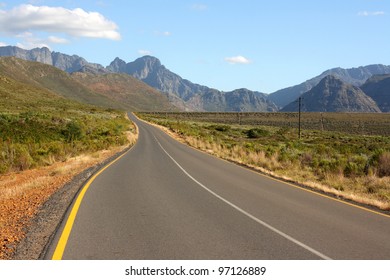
pixel 288 237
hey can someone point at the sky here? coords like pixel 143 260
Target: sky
pixel 261 45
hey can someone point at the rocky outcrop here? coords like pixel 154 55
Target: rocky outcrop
pixel 334 95
pixel 378 88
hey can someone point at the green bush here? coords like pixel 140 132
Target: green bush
pixel 254 133
pixel 73 131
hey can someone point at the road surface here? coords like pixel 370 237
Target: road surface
pixel 164 200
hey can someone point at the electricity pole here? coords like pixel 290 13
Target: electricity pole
pixel 299 117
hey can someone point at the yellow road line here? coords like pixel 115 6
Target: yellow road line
pixel 61 245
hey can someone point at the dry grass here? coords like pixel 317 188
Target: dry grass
pixel 371 189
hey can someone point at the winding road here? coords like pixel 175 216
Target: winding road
pixel 165 200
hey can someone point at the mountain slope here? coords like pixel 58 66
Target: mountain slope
pixel 118 91
pixel 354 76
pixel 334 95
pixel 197 97
pixel 378 88
pixel 133 94
pixel 53 79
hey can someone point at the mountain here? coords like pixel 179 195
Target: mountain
pixel 353 76
pixel 333 95
pixel 197 97
pixel 125 93
pixel 150 70
pixel 378 88
pixel 44 55
pixel 180 92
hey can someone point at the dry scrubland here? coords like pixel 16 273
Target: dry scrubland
pixel 45 140
pixel 345 154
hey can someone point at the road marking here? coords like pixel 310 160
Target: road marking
pixel 251 169
pixel 288 237
pixel 61 245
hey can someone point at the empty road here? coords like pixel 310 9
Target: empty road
pixel 164 200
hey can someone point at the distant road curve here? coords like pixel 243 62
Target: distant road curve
pixel 165 200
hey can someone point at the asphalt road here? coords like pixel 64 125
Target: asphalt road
pixel 164 200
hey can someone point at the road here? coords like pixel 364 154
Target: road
pixel 164 200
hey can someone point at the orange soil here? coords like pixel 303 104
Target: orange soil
pixel 22 193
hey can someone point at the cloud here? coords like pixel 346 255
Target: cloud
pixel 237 60
pixel 57 40
pixel 75 23
pixel 371 14
pixel 29 41
pixel 144 52
pixel 3 44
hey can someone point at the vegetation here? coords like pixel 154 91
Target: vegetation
pixel 342 162
pixel 38 127
pixel 353 123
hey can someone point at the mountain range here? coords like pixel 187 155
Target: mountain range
pixel 353 76
pixel 331 94
pixel 118 91
pixel 119 85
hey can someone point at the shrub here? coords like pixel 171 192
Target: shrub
pixel 222 128
pixel 306 159
pixel 384 164
pixel 73 131
pixel 257 133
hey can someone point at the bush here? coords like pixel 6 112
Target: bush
pixel 73 131
pixel 257 133
pixel 384 164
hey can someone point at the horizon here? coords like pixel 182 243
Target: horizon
pixel 260 46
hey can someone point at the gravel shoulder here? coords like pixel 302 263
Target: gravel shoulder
pixel 41 229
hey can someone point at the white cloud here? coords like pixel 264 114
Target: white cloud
pixel 76 23
pixel 237 60
pixel 29 41
pixel 371 14
pixel 57 40
pixel 3 44
pixel 144 52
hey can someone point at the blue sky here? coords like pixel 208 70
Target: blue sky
pixel 256 44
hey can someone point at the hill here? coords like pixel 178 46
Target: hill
pixel 353 76
pixel 39 127
pixel 334 95
pixel 53 79
pixel 128 93
pixel 378 88
pixel 126 90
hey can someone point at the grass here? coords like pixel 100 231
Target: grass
pixel 346 164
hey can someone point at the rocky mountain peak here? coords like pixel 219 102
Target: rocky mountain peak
pixel 144 66
pixel 117 65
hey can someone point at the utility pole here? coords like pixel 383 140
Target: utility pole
pixel 299 117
